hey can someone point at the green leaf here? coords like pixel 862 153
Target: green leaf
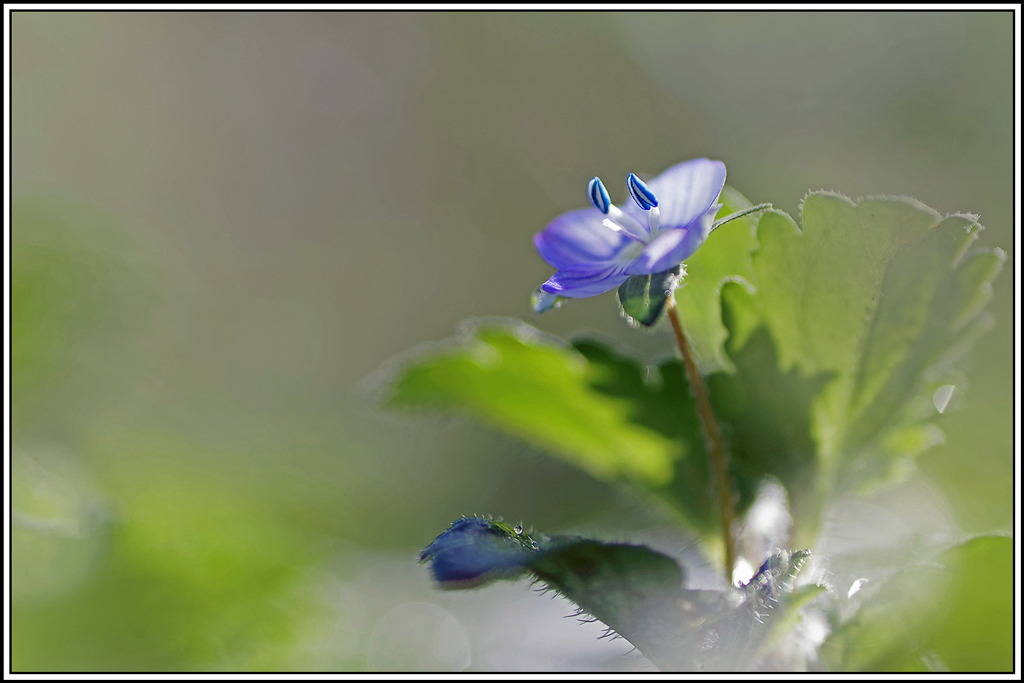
pixel 514 378
pixel 659 399
pixel 955 614
pixel 883 297
pixel 872 292
pixel 765 413
pixel 639 594
pixel 614 417
pixel 636 591
pixel 976 633
pixel 642 298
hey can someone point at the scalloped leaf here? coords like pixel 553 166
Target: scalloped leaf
pixel 882 296
pixel 870 292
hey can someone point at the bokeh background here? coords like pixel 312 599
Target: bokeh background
pixel 225 223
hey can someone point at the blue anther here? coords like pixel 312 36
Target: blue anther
pixel 641 194
pixel 598 195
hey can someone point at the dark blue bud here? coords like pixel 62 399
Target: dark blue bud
pixel 598 195
pixel 641 194
pixel 474 550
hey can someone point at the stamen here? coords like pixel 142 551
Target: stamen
pixel 654 220
pixel 641 194
pixel 617 220
pixel 598 195
pixel 609 223
pixel 629 223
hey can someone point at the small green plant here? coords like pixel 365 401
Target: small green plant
pixel 814 356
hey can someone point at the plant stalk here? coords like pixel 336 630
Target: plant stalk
pixel 713 439
pixel 739 214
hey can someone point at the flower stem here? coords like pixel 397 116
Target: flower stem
pixel 740 214
pixel 713 438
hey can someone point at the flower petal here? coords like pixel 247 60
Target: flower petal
pixel 671 248
pixel 685 192
pixel 579 238
pixel 586 281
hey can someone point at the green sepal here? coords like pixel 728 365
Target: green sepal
pixel 642 298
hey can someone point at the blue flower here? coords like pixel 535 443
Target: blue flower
pixel 597 249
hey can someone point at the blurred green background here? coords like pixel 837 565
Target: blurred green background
pixel 224 223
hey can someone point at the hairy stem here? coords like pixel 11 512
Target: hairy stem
pixel 712 436
pixel 740 214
